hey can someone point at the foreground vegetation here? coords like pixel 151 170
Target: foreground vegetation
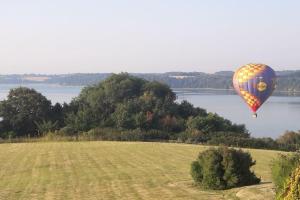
pixel 286 176
pixel 114 170
pixel 292 188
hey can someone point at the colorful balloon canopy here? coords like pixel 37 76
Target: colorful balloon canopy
pixel 254 83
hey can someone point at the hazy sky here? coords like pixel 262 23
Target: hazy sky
pixel 66 36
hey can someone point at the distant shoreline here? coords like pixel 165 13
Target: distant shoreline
pixel 222 89
pixel 177 90
pixel 288 82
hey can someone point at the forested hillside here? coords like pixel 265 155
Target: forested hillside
pixel 287 80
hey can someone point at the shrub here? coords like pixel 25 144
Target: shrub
pixel 214 123
pixel 244 142
pixel 223 168
pixel 292 189
pixel 282 168
pixel 67 131
pixel 7 135
pixel 46 126
pixel 125 135
pixel 193 136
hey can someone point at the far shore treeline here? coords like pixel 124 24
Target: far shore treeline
pixel 288 81
pixel 126 108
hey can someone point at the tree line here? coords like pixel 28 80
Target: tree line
pixel 125 107
pixel 288 81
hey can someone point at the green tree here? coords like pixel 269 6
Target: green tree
pixel 122 101
pixel 127 102
pixel 124 115
pixel 186 110
pixel 290 138
pixel 57 115
pixel 22 109
pixel 96 104
pixel 223 168
pixel 159 90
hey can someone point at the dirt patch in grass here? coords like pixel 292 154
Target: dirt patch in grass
pixel 263 191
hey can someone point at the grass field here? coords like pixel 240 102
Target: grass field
pixel 114 170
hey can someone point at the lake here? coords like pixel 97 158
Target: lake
pixel 278 114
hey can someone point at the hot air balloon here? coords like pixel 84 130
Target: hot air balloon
pixel 254 83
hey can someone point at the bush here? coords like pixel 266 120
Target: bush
pixel 282 168
pixel 213 123
pixel 7 135
pixel 223 168
pixel 244 142
pixel 193 137
pixel 46 126
pixel 67 131
pixel 292 189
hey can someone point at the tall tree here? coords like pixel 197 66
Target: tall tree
pixel 24 108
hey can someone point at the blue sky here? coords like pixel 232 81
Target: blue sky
pixel 66 36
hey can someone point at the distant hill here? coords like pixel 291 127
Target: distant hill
pixel 287 80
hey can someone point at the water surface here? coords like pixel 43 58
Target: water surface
pixel 55 93
pixel 278 113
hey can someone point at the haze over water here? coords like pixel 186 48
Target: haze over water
pixel 278 114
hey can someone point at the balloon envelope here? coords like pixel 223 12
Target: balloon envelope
pixel 254 83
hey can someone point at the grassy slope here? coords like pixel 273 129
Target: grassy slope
pixel 112 170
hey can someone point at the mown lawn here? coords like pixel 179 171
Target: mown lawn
pixel 113 170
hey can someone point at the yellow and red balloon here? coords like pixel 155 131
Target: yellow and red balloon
pixel 255 83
